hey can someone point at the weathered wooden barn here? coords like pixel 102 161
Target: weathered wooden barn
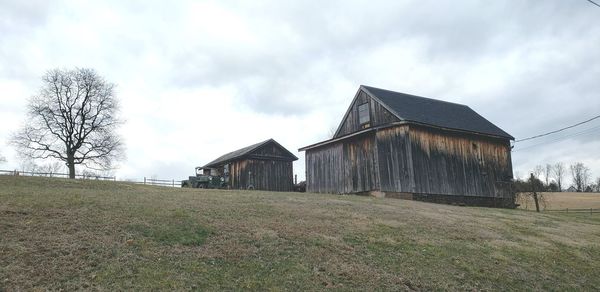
pixel 399 145
pixel 263 166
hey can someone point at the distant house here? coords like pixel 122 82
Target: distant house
pixel 262 166
pixel 399 145
pixel 571 189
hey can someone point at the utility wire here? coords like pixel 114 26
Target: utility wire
pixel 584 132
pixel 594 3
pixel 556 131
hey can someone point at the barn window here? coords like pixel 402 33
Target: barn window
pixel 363 113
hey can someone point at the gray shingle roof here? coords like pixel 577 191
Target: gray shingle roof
pixel 244 152
pixel 434 112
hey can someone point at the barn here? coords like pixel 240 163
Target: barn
pixel 405 146
pixel 262 166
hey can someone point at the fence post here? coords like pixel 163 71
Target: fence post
pixel 144 180
pixel 173 182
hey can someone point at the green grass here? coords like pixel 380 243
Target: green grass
pixel 61 234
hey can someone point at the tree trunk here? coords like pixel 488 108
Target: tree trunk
pixel 535 197
pixel 71 165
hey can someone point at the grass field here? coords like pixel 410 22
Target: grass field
pixel 564 200
pixel 60 234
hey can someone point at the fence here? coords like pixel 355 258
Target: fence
pixel 567 210
pixel 147 181
pixel 161 182
pixel 55 174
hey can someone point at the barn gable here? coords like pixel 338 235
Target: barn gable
pixel 379 107
pixel 268 149
pixel 364 112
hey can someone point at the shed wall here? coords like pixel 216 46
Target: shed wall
pixel 348 166
pixel 395 164
pixel 447 163
pixel 269 175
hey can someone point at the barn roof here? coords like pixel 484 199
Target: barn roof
pixel 246 151
pixel 412 108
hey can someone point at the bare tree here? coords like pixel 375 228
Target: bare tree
pixel 52 168
pixel 581 176
pixel 331 132
pixel 27 164
pixel 73 119
pixel 558 171
pixel 537 171
pixel 547 173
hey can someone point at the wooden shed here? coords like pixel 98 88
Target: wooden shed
pixel 399 145
pixel 262 166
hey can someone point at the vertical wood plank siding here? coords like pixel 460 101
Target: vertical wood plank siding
pixel 269 168
pixel 271 175
pixel 395 165
pixel 345 167
pixel 455 164
pixel 378 115
pixel 412 159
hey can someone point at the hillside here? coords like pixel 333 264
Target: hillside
pixel 57 233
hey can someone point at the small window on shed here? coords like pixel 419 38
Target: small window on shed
pixel 363 113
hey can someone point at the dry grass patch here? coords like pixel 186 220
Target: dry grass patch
pixel 62 234
pixel 563 200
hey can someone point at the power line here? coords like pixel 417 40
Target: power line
pixel 594 3
pixel 584 132
pixel 556 131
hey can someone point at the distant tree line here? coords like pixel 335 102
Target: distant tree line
pixel 551 178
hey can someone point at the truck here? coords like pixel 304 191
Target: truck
pixel 204 180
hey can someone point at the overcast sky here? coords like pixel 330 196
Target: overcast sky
pixel 199 79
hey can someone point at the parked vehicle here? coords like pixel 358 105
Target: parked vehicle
pixel 203 180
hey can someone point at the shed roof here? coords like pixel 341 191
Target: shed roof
pixel 243 152
pixel 434 112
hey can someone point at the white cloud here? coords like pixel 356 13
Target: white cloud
pixel 198 79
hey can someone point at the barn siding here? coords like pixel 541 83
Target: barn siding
pixel 379 115
pixel 424 163
pixel 393 149
pixel 348 166
pixel 447 163
pixel 271 175
pixel 325 169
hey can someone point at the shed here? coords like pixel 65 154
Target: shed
pixel 400 145
pixel 262 166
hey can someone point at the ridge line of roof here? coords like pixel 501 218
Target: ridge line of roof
pixel 412 95
pixel 383 104
pixel 225 157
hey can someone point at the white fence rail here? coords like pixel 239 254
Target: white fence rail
pixel 161 182
pixel 55 174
